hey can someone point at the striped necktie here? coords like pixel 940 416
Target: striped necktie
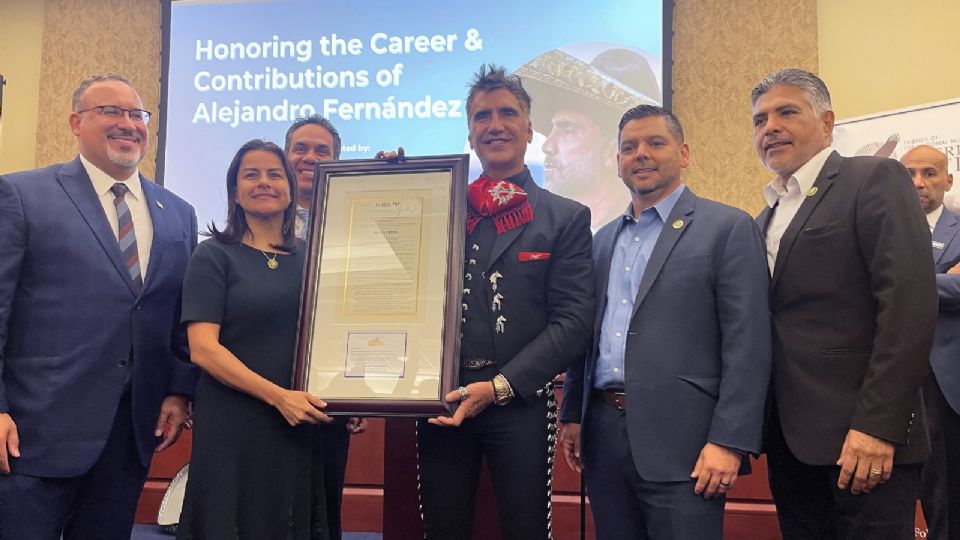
pixel 126 235
pixel 302 225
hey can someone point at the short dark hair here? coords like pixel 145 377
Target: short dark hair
pixel 94 79
pixel 812 87
pixel 236 219
pixel 318 120
pixel 646 111
pixel 490 77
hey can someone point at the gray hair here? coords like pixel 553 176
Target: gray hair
pixel 317 120
pixel 491 77
pixel 812 87
pixel 100 77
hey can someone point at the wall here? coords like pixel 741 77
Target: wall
pixel 21 35
pixel 721 49
pixel 83 37
pixel 877 55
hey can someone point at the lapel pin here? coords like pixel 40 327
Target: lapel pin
pixel 812 191
pixel 677 224
pixel 937 245
pixel 160 205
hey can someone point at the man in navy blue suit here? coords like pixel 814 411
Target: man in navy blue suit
pixel 940 476
pixel 669 400
pixel 94 369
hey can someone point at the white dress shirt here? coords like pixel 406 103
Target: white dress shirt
pixel 136 202
pixel 934 217
pixel 785 200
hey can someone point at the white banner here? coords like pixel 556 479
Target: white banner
pixel 893 133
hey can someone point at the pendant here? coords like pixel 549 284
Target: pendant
pixel 271 261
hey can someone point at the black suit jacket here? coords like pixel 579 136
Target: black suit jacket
pixel 547 300
pixel 854 306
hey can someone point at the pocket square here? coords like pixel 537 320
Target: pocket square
pixel 526 256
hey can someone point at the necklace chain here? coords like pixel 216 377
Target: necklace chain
pixel 271 261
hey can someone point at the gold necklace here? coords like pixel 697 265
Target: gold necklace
pixel 271 262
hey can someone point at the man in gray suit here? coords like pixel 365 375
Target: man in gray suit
pixel 940 476
pixel 671 395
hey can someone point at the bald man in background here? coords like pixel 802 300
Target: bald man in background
pixel 940 484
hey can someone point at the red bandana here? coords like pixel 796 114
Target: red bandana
pixel 501 200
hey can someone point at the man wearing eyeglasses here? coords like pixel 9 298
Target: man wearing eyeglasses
pixel 94 370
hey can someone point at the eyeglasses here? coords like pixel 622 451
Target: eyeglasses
pixel 112 111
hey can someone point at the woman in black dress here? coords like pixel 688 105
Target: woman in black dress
pixel 250 466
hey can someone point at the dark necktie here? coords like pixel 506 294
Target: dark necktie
pixel 126 236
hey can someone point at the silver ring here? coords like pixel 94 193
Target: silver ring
pixel 463 393
pixel 725 484
pixel 875 472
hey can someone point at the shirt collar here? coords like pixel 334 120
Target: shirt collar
pixel 102 182
pixel 934 217
pixel 520 178
pixel 804 177
pixel 663 208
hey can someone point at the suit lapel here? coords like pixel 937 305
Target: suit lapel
pixel 822 184
pixel 79 188
pixel 944 233
pixel 763 221
pixel 504 240
pixel 673 228
pixel 604 244
pixel 162 232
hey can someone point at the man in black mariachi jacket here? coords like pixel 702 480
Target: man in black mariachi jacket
pixel 527 315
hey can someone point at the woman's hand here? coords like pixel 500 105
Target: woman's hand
pixel 298 407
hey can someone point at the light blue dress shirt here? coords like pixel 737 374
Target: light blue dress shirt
pixel 632 250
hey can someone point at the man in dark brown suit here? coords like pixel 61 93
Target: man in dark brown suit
pixel 854 305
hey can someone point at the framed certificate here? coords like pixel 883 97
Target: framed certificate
pixel 381 304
